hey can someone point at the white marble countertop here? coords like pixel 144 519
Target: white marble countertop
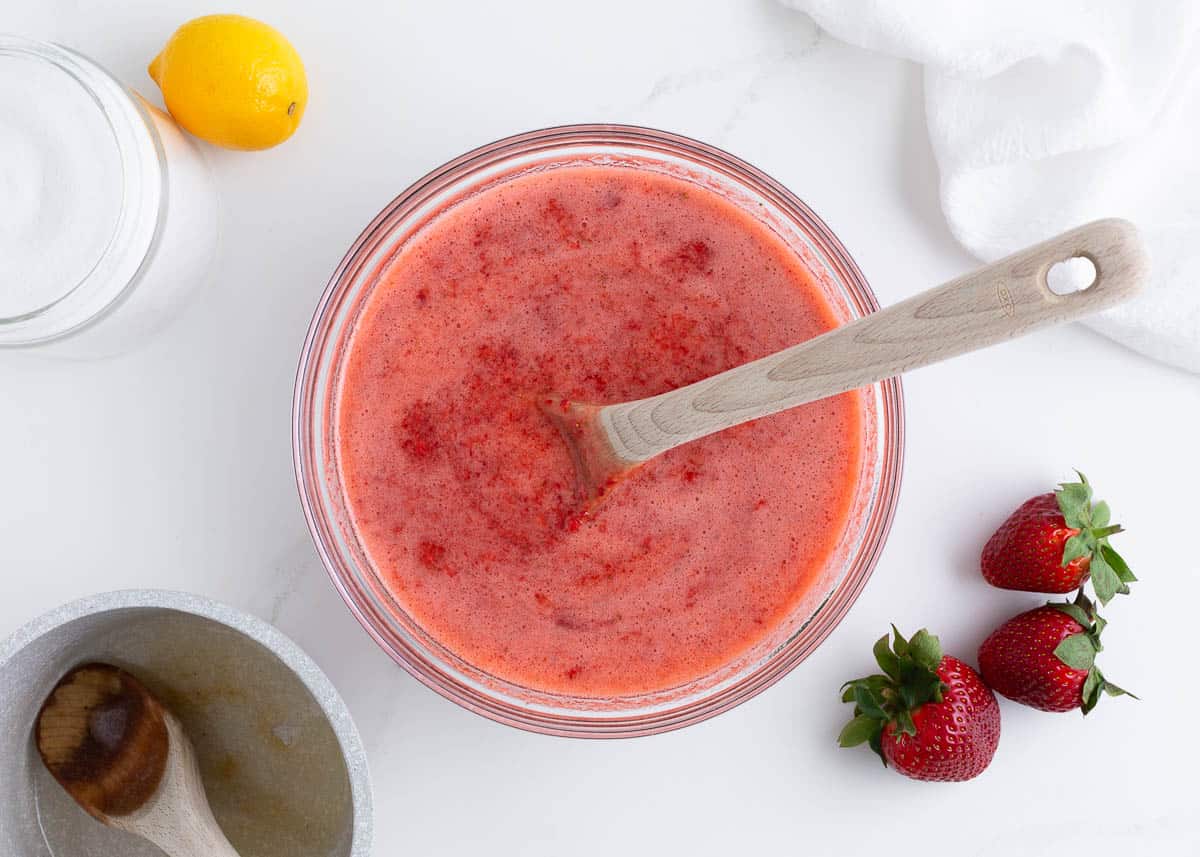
pixel 171 466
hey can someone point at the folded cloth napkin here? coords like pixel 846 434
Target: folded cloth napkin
pixel 1044 114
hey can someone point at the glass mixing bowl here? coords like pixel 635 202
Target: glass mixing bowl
pixel 315 446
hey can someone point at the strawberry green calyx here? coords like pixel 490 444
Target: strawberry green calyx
pixel 1079 651
pixel 1109 572
pixel 909 680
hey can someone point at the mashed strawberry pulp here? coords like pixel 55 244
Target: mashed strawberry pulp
pixel 604 283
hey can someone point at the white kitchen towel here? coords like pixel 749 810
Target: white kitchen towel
pixel 1044 114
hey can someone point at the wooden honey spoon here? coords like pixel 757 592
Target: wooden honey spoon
pixel 127 761
pixel 993 304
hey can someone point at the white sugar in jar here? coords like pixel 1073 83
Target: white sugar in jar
pixel 107 215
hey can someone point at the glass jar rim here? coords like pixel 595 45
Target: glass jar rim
pixel 311 406
pixel 143 186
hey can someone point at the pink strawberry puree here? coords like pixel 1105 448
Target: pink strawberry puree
pixel 604 283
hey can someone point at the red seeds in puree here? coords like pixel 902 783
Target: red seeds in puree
pixel 604 283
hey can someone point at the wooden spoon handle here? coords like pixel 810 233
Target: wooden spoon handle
pixel 996 303
pixel 178 818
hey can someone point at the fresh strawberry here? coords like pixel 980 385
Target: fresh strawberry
pixel 1046 658
pixel 929 716
pixel 1053 542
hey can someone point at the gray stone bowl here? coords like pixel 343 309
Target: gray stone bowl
pixel 283 764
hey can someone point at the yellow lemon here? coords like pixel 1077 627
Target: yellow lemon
pixel 232 81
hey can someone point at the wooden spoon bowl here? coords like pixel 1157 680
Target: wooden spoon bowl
pixel 126 760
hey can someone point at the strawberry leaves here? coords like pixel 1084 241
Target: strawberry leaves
pixel 1075 548
pixel 888 662
pixel 1075 501
pixel 1079 651
pixel 908 681
pixel 860 730
pixel 1105 580
pixel 1110 576
pixel 925 650
pixel 1110 573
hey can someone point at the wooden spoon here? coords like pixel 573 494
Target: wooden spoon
pixel 996 303
pixel 126 760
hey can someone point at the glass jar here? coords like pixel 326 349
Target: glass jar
pixel 109 217
pixel 315 442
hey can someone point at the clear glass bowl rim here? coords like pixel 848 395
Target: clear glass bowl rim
pixel 435 675
pixel 135 237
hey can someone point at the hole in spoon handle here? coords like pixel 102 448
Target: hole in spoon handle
pixel 1075 274
pixel 1115 255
